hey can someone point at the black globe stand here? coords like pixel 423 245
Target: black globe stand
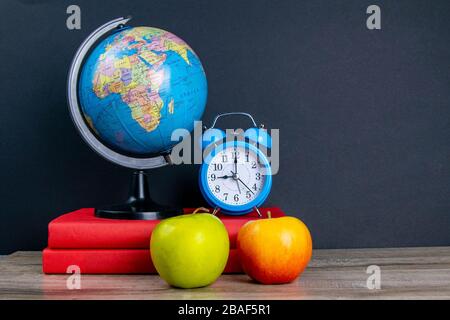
pixel 139 206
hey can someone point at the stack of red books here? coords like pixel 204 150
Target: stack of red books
pixel 107 246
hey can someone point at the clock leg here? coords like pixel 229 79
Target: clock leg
pixel 216 211
pixel 259 213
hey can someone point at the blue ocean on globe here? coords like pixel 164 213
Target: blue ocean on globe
pixel 138 86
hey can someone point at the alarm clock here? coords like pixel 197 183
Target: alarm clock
pixel 235 176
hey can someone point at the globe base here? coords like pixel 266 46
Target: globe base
pixel 132 212
pixel 139 205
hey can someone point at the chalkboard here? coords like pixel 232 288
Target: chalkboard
pixel 363 114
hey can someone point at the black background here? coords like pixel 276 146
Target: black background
pixel 364 115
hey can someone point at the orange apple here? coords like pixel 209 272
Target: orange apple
pixel 274 250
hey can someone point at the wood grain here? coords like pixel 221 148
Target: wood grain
pixel 406 273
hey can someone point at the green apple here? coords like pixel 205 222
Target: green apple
pixel 190 251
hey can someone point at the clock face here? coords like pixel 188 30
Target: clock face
pixel 236 176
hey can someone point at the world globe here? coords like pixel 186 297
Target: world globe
pixel 128 90
pixel 137 86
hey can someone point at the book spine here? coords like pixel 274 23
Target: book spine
pixel 92 236
pixel 114 234
pixel 98 236
pixel 116 261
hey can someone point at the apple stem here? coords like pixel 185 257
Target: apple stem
pixel 269 214
pixel 201 208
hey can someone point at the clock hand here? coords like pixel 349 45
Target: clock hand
pixel 239 179
pixel 236 169
pixel 237 182
pixel 246 185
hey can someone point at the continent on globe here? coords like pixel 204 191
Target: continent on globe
pixel 138 86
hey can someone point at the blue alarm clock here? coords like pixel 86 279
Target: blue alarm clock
pixel 236 176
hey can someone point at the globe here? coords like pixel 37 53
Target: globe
pixel 137 86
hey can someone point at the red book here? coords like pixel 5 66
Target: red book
pixel 111 261
pixel 82 230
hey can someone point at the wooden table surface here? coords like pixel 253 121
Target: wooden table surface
pixel 406 273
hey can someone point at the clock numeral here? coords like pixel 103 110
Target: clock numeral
pixel 258 176
pixel 225 195
pixel 224 158
pixel 236 197
pixel 217 188
pixel 218 167
pixel 248 194
pixel 247 157
pixel 254 165
pixel 255 187
pixel 213 177
pixel 235 155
